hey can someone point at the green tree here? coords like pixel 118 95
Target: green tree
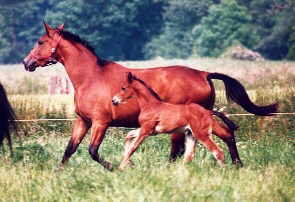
pixel 117 29
pixel 225 24
pixel 273 21
pixel 175 39
pixel 277 43
pixel 20 25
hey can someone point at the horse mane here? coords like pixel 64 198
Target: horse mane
pixel 75 38
pixel 7 118
pixel 148 87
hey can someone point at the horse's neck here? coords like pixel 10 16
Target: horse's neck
pixel 81 65
pixel 144 95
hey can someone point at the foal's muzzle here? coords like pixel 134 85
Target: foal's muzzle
pixel 116 101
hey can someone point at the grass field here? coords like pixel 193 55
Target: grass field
pixel 266 146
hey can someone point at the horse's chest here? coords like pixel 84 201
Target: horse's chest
pixel 87 105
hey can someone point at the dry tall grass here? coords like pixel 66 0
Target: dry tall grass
pixel 266 82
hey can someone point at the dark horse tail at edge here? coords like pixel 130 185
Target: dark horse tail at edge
pixel 236 92
pixel 7 118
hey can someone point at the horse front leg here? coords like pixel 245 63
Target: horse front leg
pixel 79 131
pixel 97 135
pixel 177 146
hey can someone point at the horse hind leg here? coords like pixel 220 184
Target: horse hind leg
pixel 228 137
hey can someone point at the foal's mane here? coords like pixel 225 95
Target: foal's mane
pixel 75 38
pixel 148 87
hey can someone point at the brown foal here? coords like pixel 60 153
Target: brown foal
pixel 156 116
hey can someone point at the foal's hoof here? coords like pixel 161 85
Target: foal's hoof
pixel 59 168
pixel 121 168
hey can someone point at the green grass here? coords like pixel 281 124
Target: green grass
pixel 268 174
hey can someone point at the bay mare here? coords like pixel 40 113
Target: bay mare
pixel 7 118
pixel 156 116
pixel 96 81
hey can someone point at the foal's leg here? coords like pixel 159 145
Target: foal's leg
pixel 79 131
pixel 129 137
pixel 128 141
pixel 202 133
pixel 144 132
pixel 206 140
pixel 97 135
pixel 229 138
pixel 190 145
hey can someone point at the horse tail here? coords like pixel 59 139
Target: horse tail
pixel 7 119
pixel 236 92
pixel 230 124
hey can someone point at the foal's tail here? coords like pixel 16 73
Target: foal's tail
pixel 230 124
pixel 236 92
pixel 7 118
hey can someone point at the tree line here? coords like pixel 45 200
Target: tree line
pixel 143 29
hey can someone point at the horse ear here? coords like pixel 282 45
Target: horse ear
pixel 48 29
pixel 129 77
pixel 60 27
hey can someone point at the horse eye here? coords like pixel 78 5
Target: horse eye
pixel 123 88
pixel 40 42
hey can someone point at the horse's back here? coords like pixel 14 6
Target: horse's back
pixel 179 84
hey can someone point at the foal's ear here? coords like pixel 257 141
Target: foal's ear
pixel 129 77
pixel 60 27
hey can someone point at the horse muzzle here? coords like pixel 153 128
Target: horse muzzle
pixel 30 65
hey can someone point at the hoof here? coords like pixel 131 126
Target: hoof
pixel 108 166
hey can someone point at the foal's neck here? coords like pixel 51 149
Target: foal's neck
pixel 144 94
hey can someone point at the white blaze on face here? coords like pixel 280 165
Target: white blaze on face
pixel 116 100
